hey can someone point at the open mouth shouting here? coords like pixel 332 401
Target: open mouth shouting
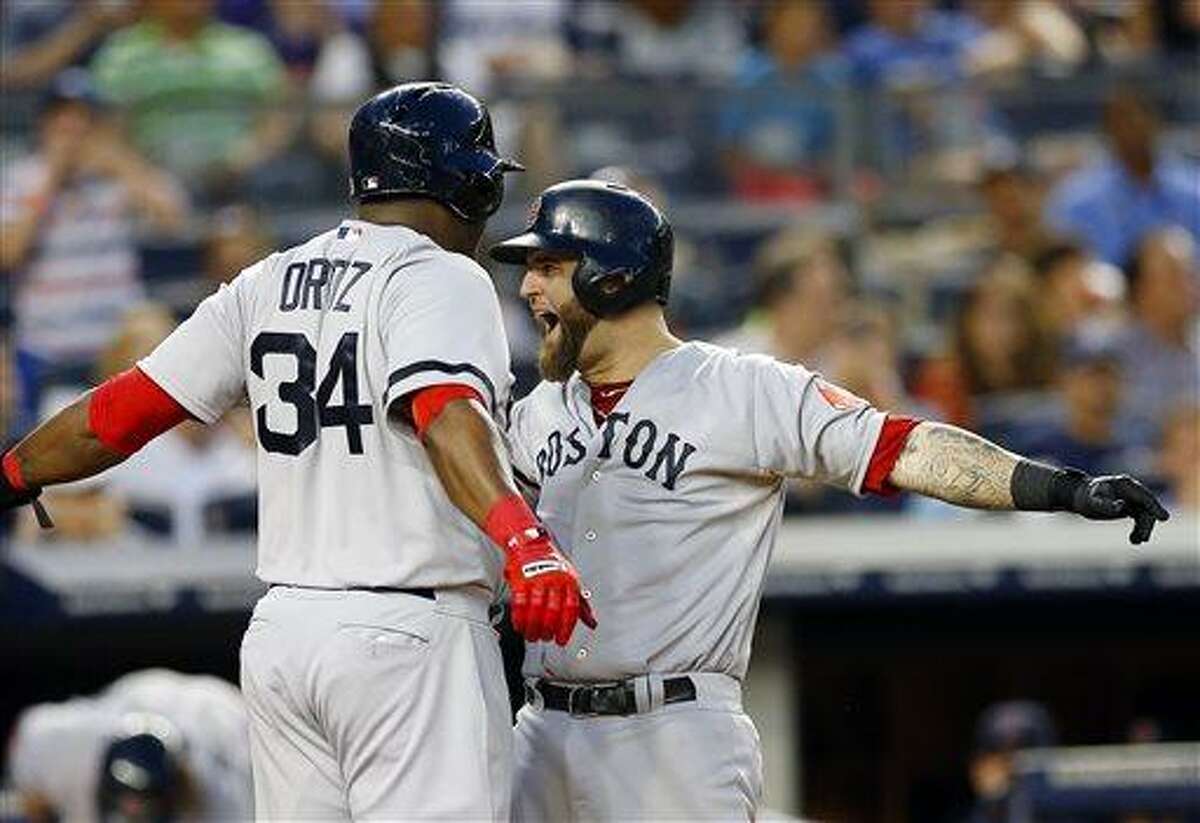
pixel 547 320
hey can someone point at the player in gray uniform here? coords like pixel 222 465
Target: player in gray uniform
pixel 377 370
pixel 660 465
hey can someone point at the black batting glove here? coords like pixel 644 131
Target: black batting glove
pixel 1115 496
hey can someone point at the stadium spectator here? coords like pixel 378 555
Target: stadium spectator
pixel 68 212
pixel 40 38
pixel 1087 436
pixel 1012 207
pixel 803 288
pixel 237 238
pixel 779 131
pixel 665 39
pixel 997 348
pixel 212 467
pixel 907 43
pixel 1120 33
pixel 297 31
pixel 1179 457
pixel 193 91
pixel 481 42
pixel 1001 731
pixel 1034 35
pixel 1075 289
pixel 1161 365
pixel 1112 204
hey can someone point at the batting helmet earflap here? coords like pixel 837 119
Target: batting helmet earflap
pixel 428 140
pixel 625 244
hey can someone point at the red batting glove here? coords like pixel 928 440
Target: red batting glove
pixel 546 599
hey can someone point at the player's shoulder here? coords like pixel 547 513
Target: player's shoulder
pixel 426 259
pixel 705 361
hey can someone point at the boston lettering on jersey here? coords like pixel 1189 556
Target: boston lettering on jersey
pixel 638 444
pixel 320 283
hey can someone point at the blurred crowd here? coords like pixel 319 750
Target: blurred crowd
pixel 1021 179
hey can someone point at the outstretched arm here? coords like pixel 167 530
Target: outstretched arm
pixel 959 467
pixel 96 432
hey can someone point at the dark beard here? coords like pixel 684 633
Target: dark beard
pixel 558 360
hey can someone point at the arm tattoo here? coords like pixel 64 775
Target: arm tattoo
pixel 957 466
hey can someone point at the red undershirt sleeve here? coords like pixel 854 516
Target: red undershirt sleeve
pixel 892 438
pixel 129 410
pixel 426 404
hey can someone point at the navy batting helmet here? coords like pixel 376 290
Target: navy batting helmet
pixel 624 243
pixel 428 140
pixel 140 781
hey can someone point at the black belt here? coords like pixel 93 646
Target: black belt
pixel 603 699
pixel 417 592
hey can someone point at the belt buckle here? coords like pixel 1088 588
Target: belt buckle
pixel 572 709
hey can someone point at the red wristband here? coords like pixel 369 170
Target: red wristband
pixel 12 472
pixel 509 517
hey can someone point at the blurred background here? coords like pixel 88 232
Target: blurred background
pixel 983 212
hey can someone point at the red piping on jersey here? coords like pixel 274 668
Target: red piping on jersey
pixel 892 438
pixel 12 472
pixel 431 401
pixel 129 410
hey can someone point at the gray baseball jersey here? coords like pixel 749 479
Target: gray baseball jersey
pixel 670 507
pixel 323 338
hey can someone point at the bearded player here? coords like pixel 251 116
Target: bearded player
pixel 661 465
pixel 376 365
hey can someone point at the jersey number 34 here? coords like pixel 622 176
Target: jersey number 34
pixel 310 400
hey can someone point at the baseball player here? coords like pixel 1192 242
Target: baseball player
pixel 661 465
pixel 57 750
pixel 377 371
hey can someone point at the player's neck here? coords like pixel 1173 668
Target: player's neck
pixel 430 218
pixel 618 348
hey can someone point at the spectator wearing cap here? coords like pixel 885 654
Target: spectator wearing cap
pixel 1086 436
pixel 1111 205
pixel 200 97
pixel 1158 354
pixel 779 131
pixel 1001 731
pixel 67 210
